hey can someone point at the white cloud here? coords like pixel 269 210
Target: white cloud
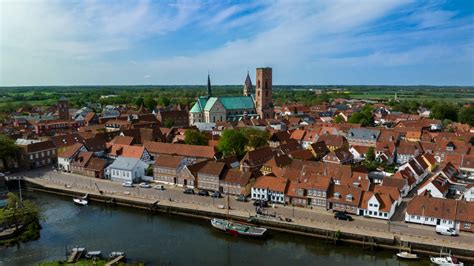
pixel 57 42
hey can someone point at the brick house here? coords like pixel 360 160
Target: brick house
pixel 38 154
pixel 344 198
pixel 86 164
pixel 180 118
pixel 166 169
pixel 254 160
pixel 235 182
pixel 209 176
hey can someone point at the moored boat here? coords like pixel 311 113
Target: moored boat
pixel 446 261
pixel 81 201
pixel 238 229
pixel 115 254
pixel 94 254
pixel 407 255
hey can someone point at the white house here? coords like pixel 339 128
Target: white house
pixel 377 205
pixel 66 156
pixel 437 186
pixel 269 188
pixel 427 210
pixel 358 152
pixel 126 169
pixel 468 194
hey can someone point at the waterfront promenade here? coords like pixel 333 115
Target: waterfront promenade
pixel 313 218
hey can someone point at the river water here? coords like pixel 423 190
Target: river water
pixel 161 239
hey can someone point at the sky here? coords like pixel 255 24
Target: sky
pixel 316 42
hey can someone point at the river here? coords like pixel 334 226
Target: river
pixel 161 239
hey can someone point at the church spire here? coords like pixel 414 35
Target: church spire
pixel 209 91
pixel 247 85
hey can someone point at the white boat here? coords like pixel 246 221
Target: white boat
pixel 115 254
pixel 446 261
pixel 407 255
pixel 94 254
pixel 81 201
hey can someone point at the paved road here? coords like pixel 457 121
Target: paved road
pixel 305 214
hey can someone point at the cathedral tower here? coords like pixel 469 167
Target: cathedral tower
pixel 263 96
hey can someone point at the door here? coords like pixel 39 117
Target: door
pixel 438 221
pixel 185 182
pixel 175 181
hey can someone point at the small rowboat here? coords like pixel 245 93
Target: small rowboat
pixel 407 255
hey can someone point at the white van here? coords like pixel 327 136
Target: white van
pixel 445 230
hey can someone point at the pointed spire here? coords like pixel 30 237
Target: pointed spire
pixel 247 85
pixel 209 91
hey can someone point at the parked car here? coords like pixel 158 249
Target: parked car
pixel 127 184
pixel 159 187
pixel 445 230
pixel 216 194
pixel 343 216
pixel 241 198
pixel 203 193
pixel 261 203
pixel 189 191
pixel 144 185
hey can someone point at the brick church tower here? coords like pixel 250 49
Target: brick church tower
pixel 63 108
pixel 263 93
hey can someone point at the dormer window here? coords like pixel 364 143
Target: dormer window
pixel 337 195
pixel 450 146
pixel 349 197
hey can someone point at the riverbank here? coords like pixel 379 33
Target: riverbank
pixel 25 233
pixel 370 239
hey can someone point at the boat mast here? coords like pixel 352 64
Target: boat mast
pixel 228 207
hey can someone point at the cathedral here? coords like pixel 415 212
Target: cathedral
pixel 209 109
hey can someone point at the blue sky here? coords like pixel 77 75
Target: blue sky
pixel 177 42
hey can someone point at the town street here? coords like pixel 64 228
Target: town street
pixel 303 216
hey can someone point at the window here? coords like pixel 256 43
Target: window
pixel 385 214
pixel 467 226
pixel 418 217
pixel 370 212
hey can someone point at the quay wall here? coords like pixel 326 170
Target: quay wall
pixel 328 234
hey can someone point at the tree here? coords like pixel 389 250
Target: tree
pixel 149 103
pixel 466 115
pixel 8 149
pixel 363 117
pixel 442 111
pixel 138 101
pixel 232 142
pixel 195 137
pixel 338 119
pixel 169 123
pixel 149 170
pixel 370 155
pixel 256 138
pixel 164 101
pixel 19 212
pixel 370 163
